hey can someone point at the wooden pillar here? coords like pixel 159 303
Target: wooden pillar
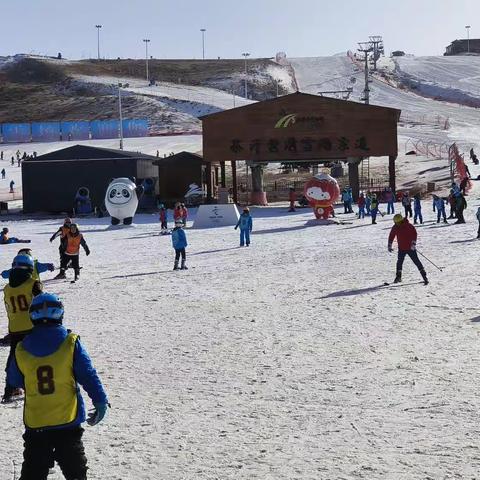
pixel 234 182
pixel 354 178
pixel 208 174
pixel 223 182
pixel 391 172
pixel 217 176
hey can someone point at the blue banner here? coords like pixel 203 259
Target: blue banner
pixel 16 132
pixel 46 132
pixel 75 130
pixel 135 128
pixel 104 128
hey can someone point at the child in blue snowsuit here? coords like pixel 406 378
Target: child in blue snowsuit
pixel 38 268
pixel 179 242
pixel 439 206
pixel 245 223
pixel 417 209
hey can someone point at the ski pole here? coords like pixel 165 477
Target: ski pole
pixel 426 258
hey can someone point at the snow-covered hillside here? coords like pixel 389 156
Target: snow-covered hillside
pixel 454 79
pixel 422 114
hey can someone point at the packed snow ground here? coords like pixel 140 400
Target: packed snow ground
pixel 287 360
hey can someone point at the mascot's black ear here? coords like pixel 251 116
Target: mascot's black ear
pixel 139 191
pixel 133 179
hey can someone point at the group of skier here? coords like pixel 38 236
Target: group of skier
pixel 47 362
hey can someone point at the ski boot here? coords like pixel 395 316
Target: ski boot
pixel 424 276
pixel 77 275
pixel 398 278
pixel 61 275
pixel 183 267
pixel 175 266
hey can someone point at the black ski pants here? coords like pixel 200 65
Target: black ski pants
pixel 413 255
pixel 42 447
pixel 460 217
pixel 73 259
pixel 178 252
pixel 15 339
pixel 408 211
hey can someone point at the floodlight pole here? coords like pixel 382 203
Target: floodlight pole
pixel 147 41
pixel 203 30
pixel 246 54
pixel 120 115
pixel 468 37
pixel 98 27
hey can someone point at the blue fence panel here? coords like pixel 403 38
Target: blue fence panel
pixel 135 128
pixel 45 132
pixel 104 128
pixel 16 132
pixel 75 130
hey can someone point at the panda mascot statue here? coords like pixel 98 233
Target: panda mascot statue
pixel 121 200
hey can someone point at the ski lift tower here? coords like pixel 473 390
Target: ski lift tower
pixel 376 42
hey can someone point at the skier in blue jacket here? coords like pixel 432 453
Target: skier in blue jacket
pixel 417 208
pixel 245 222
pixel 439 206
pixel 49 364
pixel 38 267
pixel 179 242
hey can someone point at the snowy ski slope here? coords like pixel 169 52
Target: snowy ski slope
pixel 286 360
pixel 338 72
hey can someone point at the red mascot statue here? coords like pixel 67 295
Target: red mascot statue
pixel 322 191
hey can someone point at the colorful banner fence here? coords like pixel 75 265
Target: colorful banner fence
pixel 71 130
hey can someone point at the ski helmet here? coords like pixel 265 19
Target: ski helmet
pixel 5 230
pixel 178 222
pixel 23 262
pixel 397 219
pixel 74 226
pixel 67 221
pixel 246 210
pixel 46 308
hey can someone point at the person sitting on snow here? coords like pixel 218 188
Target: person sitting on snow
pixel 5 239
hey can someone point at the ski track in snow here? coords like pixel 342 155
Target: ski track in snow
pixel 286 360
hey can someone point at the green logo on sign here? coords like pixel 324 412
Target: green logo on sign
pixel 286 120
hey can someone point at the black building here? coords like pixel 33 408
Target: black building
pixel 51 181
pixel 177 172
pixel 458 47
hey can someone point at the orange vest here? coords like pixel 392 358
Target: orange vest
pixel 64 231
pixel 73 244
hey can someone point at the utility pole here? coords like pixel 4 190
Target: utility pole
pixel 376 42
pixel 120 114
pixel 98 27
pixel 468 38
pixel 246 54
pixel 146 40
pixel 366 48
pixel 203 30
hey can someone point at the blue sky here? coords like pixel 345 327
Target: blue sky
pixel 261 27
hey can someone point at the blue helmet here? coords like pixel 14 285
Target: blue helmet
pixel 23 261
pixel 46 308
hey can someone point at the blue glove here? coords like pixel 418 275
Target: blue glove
pixel 51 267
pixel 97 415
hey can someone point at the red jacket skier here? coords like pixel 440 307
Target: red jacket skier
pixel 406 235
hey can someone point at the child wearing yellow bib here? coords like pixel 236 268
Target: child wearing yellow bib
pixel 49 364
